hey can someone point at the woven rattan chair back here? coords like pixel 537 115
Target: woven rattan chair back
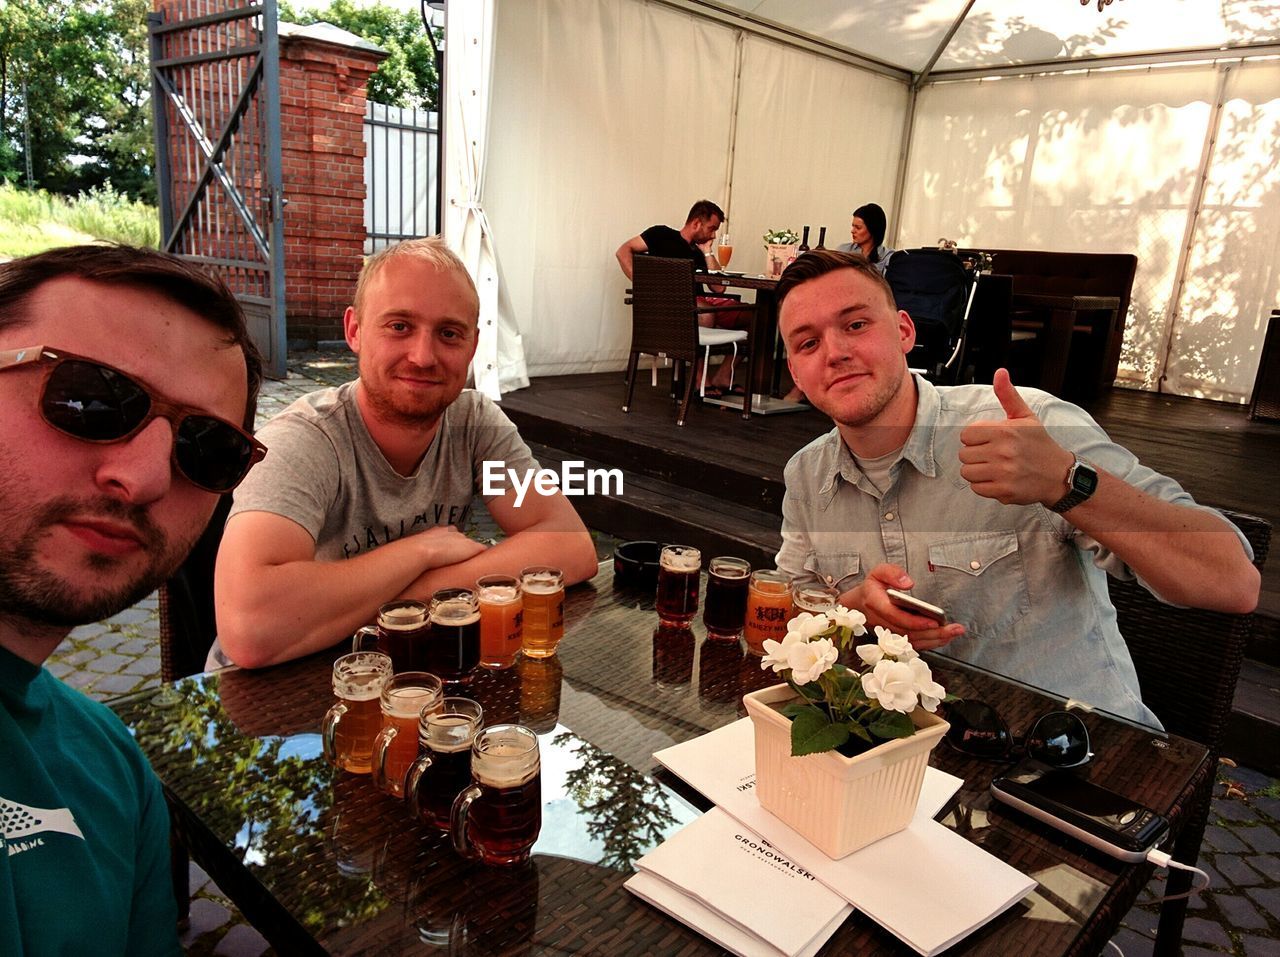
pixel 663 304
pixel 1188 659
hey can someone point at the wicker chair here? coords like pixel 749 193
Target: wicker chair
pixel 1189 682
pixel 664 321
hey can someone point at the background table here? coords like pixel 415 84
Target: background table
pixel 320 861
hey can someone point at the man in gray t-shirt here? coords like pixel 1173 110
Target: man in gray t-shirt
pixel 368 486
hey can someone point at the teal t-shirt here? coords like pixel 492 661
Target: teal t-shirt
pixel 84 832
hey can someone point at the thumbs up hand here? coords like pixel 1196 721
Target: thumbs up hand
pixel 1013 460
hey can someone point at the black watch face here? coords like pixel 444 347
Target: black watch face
pixel 1085 481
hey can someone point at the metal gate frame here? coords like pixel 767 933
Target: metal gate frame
pixel 215 82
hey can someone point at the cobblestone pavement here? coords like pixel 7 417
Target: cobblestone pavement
pixel 1241 852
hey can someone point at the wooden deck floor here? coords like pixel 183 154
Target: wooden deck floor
pixel 1212 448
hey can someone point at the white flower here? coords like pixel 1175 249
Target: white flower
pixel 892 644
pixel 849 618
pixel 931 693
pixel 807 625
pixel 892 683
pixel 810 659
pixel 871 654
pixel 775 652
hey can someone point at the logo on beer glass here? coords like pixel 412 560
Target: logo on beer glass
pixel 405 697
pixel 498 818
pixel 350 726
pixel 443 766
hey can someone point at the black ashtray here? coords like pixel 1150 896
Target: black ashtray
pixel 635 564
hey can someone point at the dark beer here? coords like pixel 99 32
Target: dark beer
pixel 725 610
pixel 678 569
pixel 401 633
pixel 453 646
pixel 442 770
pixel 498 818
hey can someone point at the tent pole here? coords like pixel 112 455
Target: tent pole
pixel 904 156
pixel 942 47
pixel 1173 311
pixel 733 126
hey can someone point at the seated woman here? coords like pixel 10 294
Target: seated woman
pixel 867 231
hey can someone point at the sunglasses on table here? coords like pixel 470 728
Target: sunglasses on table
pixel 1058 738
pixel 93 402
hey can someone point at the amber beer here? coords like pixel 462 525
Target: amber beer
pixel 350 726
pixel 725 610
pixel 405 697
pixel 678 568
pixel 768 609
pixel 540 680
pixel 401 633
pixel 442 769
pixel 453 645
pixel 815 599
pixel 501 620
pixel 543 622
pixel 498 818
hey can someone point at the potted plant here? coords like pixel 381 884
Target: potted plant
pixel 841 751
pixel 780 247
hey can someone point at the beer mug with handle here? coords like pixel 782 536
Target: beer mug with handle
pixel 498 818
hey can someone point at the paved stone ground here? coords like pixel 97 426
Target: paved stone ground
pixel 1238 915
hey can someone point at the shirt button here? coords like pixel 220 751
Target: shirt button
pixel 888 516
pixel 975 564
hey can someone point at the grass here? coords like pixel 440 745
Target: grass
pixel 33 220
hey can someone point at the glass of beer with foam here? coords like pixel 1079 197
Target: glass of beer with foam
pixel 501 620
pixel 497 819
pixel 350 726
pixel 678 572
pixel 543 588
pixel 442 769
pixel 453 646
pixel 405 697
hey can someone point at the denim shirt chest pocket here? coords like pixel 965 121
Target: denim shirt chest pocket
pixel 841 570
pixel 980 581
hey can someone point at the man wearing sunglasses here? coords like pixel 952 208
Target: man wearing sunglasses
pixel 1005 508
pixel 126 376
pixel 368 485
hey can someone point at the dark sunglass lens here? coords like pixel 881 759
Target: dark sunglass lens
pixel 1059 739
pixel 93 402
pixel 977 729
pixel 211 453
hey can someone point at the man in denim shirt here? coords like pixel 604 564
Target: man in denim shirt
pixel 1005 508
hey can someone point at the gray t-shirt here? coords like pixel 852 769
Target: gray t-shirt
pixel 325 472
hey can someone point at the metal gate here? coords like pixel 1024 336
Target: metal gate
pixel 215 82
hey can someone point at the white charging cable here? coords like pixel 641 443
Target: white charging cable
pixel 1162 860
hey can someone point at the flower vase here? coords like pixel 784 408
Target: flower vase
pixel 837 803
pixel 777 256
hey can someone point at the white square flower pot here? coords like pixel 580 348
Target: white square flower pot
pixel 839 804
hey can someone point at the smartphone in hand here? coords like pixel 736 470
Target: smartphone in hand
pixel 916 605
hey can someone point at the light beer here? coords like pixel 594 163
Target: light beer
pixel 678 568
pixel 350 726
pixel 442 769
pixel 404 698
pixel 401 633
pixel 498 818
pixel 453 646
pixel 815 599
pixel 768 609
pixel 725 610
pixel 501 620
pixel 543 588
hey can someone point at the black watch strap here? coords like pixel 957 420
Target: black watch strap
pixel 1082 482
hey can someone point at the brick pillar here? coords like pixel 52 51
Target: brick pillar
pixel 322 106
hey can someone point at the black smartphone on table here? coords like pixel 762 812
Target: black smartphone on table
pixel 1063 799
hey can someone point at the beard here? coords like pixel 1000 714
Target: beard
pixel 867 408
pixel 34 593
pixel 403 407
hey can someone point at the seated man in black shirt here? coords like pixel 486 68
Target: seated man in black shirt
pixel 695 241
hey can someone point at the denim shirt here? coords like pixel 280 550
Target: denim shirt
pixel 1030 588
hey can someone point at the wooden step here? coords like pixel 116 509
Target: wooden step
pixel 1253 733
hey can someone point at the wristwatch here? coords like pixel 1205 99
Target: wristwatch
pixel 1082 481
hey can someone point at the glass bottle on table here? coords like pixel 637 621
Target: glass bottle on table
pixel 822 238
pixel 804 243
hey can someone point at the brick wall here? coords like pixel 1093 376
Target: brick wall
pixel 322 107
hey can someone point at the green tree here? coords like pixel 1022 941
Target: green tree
pixel 407 77
pixel 75 95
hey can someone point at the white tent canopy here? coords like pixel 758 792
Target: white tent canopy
pixel 1148 128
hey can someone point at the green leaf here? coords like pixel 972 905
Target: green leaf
pixel 858 731
pixel 793 708
pixel 812 733
pixel 892 724
pixel 811 691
